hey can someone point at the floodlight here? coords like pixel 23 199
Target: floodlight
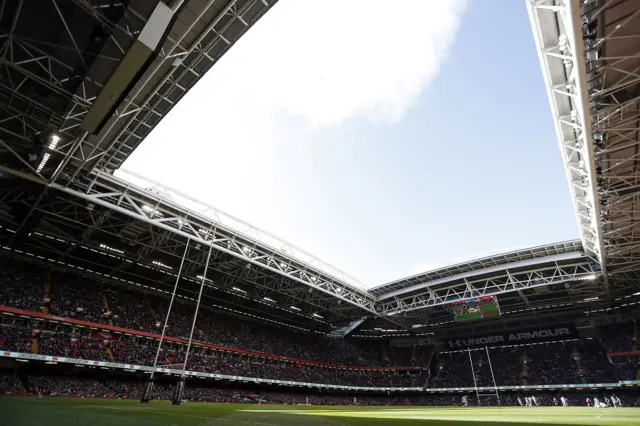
pixel 54 141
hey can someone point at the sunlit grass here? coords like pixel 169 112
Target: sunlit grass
pixel 51 411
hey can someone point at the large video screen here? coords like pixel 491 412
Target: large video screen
pixel 476 309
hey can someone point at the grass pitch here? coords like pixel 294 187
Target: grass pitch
pixel 32 411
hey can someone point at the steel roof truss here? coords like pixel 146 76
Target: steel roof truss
pixel 557 29
pixel 581 276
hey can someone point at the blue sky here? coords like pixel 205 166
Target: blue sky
pixel 397 143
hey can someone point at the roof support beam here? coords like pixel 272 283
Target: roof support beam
pixel 115 194
pixel 130 125
pixel 585 272
pixel 561 49
pixel 528 263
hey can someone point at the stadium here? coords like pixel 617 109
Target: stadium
pixel 123 303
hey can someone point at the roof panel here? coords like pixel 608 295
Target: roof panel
pixel 220 25
pixel 478 264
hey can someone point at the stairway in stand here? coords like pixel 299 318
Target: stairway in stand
pixel 576 357
pixel 105 301
pixel 384 356
pixel 525 371
pixel 46 296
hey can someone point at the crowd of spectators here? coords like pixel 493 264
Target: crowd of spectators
pixel 620 337
pixel 623 338
pixel 79 298
pixel 454 370
pixel 571 362
pixel 591 353
pixel 72 297
pixel 550 363
pixel 254 367
pixel 126 389
pixel 72 346
pixel 10 384
pixel 506 365
pixel 69 386
pixel 628 370
pixel 19 289
pixel 142 352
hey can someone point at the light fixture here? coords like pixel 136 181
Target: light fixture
pixel 151 210
pixel 54 141
pixel 45 158
pixel 108 248
pixel 316 315
pixel 162 265
pixel 563 44
pixel 269 299
pixel 295 308
pixel 239 290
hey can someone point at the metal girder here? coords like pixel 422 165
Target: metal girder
pixel 580 278
pixel 233 285
pixel 49 84
pixel 557 31
pixel 44 249
pixel 530 263
pixel 212 28
pixel 212 226
pixel 229 221
pixel 529 254
pixel 611 33
pixel 154 210
pixel 258 285
pixel 54 60
pixel 69 228
pixel 73 215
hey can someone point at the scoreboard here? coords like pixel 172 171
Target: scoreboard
pixel 476 309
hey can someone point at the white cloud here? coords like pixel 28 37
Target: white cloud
pixel 330 60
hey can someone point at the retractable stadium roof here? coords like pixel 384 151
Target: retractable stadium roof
pixel 590 57
pixel 83 82
pixel 60 139
pixel 539 281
